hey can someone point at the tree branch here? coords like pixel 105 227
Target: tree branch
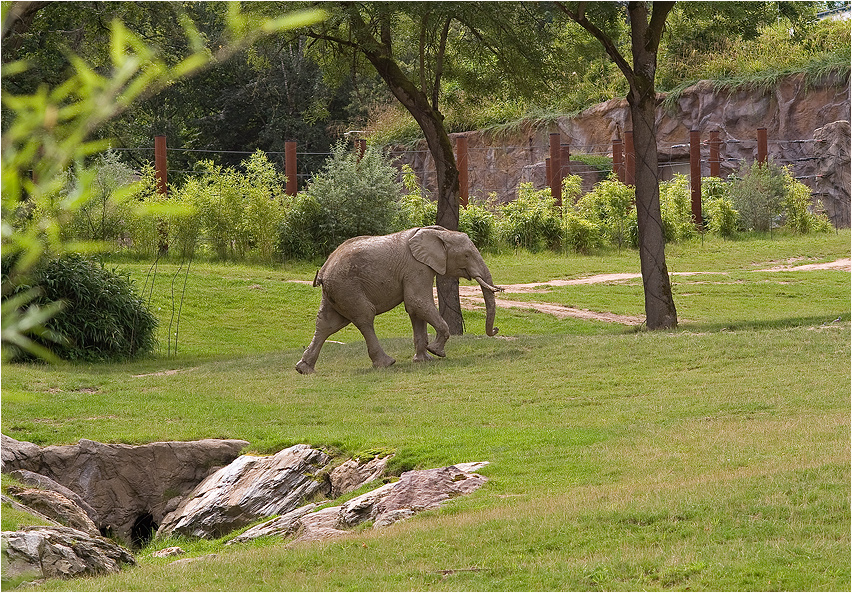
pixel 579 17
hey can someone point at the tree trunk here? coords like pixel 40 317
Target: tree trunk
pixel 431 121
pixel 660 311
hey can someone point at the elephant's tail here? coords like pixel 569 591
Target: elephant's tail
pixel 317 279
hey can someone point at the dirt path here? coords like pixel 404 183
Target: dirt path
pixel 471 296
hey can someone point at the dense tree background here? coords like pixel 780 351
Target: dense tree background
pixel 502 62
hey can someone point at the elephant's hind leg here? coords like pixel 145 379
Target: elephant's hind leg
pixel 374 349
pixel 329 321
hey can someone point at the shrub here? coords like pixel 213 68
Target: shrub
pixel 531 221
pixel 415 207
pixel 572 189
pixel 758 194
pixel 237 214
pixel 107 213
pixel 358 196
pixel 480 224
pixel 676 208
pixel 102 318
pixel 303 229
pixel 797 207
pixel 609 206
pixel 579 234
pixel 719 214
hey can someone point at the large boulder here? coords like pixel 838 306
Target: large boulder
pixel 248 489
pixel 41 482
pixel 130 488
pixel 59 552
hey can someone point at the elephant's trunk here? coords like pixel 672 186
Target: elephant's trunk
pixel 488 290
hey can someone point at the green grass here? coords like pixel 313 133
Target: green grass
pixel 712 457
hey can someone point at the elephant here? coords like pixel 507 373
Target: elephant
pixel 369 275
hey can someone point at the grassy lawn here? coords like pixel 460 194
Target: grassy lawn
pixel 714 457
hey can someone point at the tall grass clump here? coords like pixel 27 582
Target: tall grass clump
pixel 101 318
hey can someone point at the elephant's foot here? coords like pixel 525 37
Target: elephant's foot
pixel 383 362
pixel 424 357
pixel 436 349
pixel 304 367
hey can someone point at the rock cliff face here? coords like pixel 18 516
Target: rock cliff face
pixel 791 114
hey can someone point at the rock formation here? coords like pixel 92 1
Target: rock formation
pixel 59 552
pixel 831 147
pixel 416 491
pixel 790 113
pixel 130 489
pixel 248 489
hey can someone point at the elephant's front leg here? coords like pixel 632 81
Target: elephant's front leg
pixel 428 313
pixel 421 338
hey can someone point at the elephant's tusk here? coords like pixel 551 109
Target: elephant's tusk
pixel 484 284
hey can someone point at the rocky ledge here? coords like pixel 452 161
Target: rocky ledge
pixel 197 489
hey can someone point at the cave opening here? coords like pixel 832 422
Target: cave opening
pixel 143 530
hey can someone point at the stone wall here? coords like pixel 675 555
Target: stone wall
pixel 791 113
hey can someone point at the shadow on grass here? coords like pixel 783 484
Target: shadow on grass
pixel 766 324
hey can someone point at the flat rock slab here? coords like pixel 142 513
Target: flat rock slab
pixel 416 491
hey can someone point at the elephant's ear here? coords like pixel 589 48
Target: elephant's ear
pixel 428 248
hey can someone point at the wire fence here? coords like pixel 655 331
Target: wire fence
pixel 497 170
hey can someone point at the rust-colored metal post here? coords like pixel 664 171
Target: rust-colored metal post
pixel 695 175
pixel 618 158
pixel 461 163
pixel 715 162
pixel 629 159
pixel 290 168
pixel 161 165
pixel 762 150
pixel 161 174
pixel 555 178
pixel 565 158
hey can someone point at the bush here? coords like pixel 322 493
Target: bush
pixel 480 224
pixel 415 207
pixel 103 319
pixel 531 221
pixel 676 209
pixel 302 231
pixel 237 214
pixel 758 194
pixel 798 209
pixel 107 214
pixel 609 206
pixel 719 213
pixel 357 196
pixel 579 234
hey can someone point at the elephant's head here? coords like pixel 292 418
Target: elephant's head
pixel 451 253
